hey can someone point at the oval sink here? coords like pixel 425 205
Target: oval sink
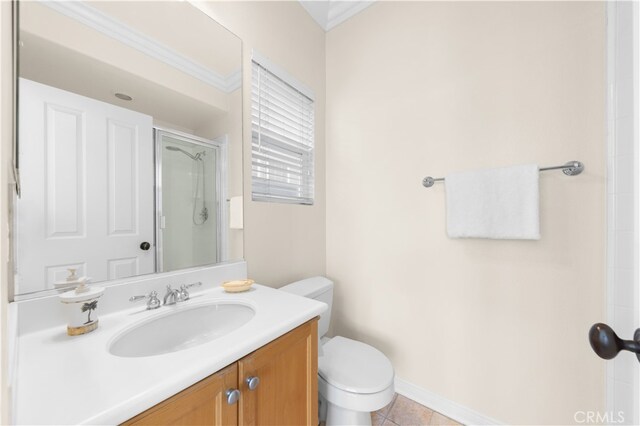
pixel 182 329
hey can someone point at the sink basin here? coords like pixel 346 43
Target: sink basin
pixel 181 329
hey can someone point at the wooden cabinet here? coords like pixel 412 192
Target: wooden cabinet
pixel 288 372
pixel 286 392
pixel 204 403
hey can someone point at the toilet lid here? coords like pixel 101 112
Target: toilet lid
pixel 354 366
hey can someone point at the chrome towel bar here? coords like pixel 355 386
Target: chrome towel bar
pixel 572 168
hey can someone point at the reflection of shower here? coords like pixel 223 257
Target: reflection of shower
pixel 204 212
pixel 193 157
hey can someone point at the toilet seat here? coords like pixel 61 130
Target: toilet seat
pixel 354 367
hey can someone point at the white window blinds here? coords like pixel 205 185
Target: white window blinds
pixel 281 140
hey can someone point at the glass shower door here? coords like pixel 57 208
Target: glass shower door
pixel 188 201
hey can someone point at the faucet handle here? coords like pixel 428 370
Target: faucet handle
pixel 184 294
pixel 152 303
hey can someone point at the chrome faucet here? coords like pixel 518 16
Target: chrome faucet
pixel 172 297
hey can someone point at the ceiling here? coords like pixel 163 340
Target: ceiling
pixel 330 13
pixel 98 49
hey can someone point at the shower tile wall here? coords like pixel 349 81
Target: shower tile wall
pixel 621 190
pixel 185 243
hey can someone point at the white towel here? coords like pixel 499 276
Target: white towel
pixel 235 213
pixel 497 203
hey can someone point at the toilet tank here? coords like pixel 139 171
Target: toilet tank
pixel 317 288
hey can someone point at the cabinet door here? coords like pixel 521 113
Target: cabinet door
pixel 287 369
pixel 204 403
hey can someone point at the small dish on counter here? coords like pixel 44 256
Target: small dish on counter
pixel 237 286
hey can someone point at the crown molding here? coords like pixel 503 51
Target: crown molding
pixel 105 24
pixel 233 81
pixel 340 11
pixel 330 13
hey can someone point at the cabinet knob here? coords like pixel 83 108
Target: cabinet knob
pixel 252 382
pixel 233 395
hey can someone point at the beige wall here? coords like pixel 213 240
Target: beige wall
pixel 282 242
pixel 416 89
pixel 428 88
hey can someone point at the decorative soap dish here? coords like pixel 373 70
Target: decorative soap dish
pixel 237 286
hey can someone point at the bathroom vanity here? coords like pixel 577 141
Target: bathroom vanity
pixel 277 384
pixel 89 379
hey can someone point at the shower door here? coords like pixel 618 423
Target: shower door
pixel 190 186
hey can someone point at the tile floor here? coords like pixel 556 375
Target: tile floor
pixel 405 412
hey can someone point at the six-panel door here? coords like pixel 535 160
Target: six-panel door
pixel 86 188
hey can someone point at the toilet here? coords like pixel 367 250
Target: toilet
pixel 354 378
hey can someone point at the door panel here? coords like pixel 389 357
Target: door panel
pixel 122 174
pixel 64 170
pixel 122 268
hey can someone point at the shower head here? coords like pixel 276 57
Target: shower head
pixel 193 157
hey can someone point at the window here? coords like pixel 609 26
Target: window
pixel 282 116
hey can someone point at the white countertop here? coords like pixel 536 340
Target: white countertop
pixel 75 380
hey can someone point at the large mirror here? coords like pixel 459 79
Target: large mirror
pixel 129 145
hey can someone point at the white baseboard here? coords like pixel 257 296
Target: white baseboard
pixel 442 405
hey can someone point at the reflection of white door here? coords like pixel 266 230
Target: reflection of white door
pixel 87 188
